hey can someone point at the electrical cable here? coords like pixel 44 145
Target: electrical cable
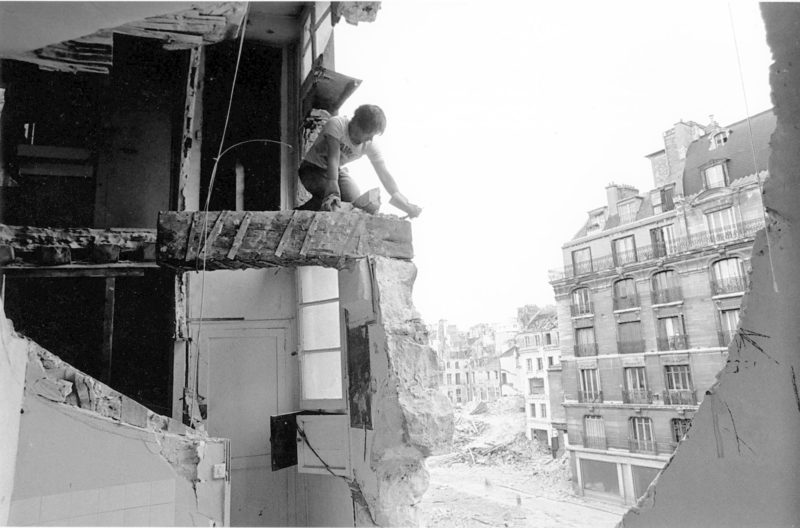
pixel 305 439
pixel 752 146
pixel 204 232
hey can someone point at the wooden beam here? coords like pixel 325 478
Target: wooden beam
pixel 258 239
pixel 72 271
pixel 28 238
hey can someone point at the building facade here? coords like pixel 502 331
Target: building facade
pixel 538 349
pixel 648 301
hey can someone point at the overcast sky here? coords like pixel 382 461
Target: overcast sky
pixel 507 120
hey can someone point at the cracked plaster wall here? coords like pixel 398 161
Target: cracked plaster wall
pixel 86 454
pixel 411 419
pixel 740 462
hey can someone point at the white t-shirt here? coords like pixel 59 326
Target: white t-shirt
pixel 336 127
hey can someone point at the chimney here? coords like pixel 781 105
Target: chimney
pixel 612 195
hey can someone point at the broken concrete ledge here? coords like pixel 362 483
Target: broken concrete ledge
pixel 412 418
pixel 259 239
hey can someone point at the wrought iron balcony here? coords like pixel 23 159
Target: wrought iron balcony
pixel 581 309
pixel 582 268
pixel 673 342
pixel 595 442
pixel 667 295
pixel 680 397
pixel 590 396
pixel 585 349
pixel 630 346
pixel 623 303
pixel 677 246
pixel 642 446
pixel 642 396
pixel 621 258
pixel 728 285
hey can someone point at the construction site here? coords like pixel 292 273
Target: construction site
pixel 182 346
pixel 493 475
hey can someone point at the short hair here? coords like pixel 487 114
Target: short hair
pixel 370 118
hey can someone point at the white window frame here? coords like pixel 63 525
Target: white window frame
pixel 678 377
pixel 590 382
pixel 722 225
pixel 642 430
pixel 320 403
pixel 729 319
pixel 627 212
pixel 715 176
pixel 624 250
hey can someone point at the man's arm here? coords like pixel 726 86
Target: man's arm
pixel 333 162
pixel 398 200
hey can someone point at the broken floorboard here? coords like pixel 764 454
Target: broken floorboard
pixel 258 239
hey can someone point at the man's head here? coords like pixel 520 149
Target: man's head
pixel 368 120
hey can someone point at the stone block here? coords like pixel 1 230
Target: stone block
pixel 53 255
pixel 6 254
pixel 105 253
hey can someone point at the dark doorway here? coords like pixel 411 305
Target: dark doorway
pixel 255 114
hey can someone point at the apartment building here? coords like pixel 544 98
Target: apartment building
pixel 649 298
pixel 538 350
pixel 455 377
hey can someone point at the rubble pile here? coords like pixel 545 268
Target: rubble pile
pixel 492 434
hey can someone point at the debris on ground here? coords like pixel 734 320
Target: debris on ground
pixel 493 434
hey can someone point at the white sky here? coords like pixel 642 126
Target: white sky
pixel 506 121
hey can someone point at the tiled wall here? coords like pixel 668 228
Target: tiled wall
pixel 139 504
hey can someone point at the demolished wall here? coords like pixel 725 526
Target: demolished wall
pixel 410 418
pixel 740 461
pixel 88 455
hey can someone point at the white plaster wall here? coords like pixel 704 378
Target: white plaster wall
pixel 13 359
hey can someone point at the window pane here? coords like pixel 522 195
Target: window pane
pixel 599 476
pixel 318 283
pixel 321 375
pixel 320 326
pixel 727 269
pixel 715 176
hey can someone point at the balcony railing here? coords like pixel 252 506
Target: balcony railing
pixel 582 268
pixel 595 442
pixel 674 247
pixel 581 309
pixel 630 346
pixel 680 397
pixel 729 285
pixel 623 303
pixel 642 396
pixel 642 446
pixel 590 396
pixel 666 295
pixel 585 349
pixel 673 342
pixel 622 258
pixel 725 337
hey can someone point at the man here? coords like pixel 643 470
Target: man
pixel 341 141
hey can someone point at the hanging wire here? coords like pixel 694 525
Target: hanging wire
pixel 204 232
pixel 752 146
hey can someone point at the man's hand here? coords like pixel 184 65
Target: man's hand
pixel 331 203
pixel 402 203
pixel 413 210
